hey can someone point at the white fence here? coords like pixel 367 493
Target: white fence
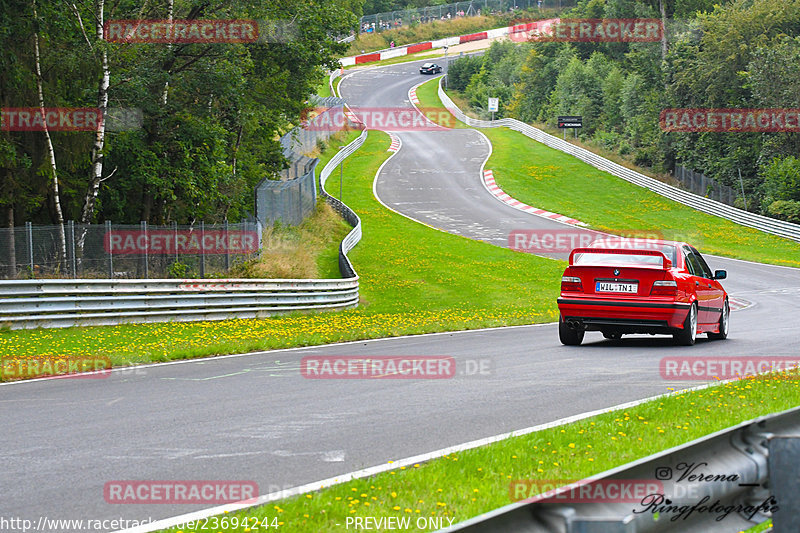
pixel 706 205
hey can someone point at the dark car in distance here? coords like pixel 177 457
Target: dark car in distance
pixel 430 68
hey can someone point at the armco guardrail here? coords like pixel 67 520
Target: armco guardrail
pixel 698 486
pixel 54 303
pixel 706 205
pixel 352 238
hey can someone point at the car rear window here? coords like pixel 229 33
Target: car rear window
pixel 611 259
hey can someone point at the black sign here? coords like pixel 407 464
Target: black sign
pixel 570 122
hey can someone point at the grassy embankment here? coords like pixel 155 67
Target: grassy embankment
pixel 550 179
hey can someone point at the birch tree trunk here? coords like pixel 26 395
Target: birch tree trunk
pixel 170 14
pixel 50 152
pixel 96 173
pixel 96 176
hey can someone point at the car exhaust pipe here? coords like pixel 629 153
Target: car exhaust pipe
pixel 575 324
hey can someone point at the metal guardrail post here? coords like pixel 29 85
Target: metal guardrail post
pixel 227 248
pixel 73 260
pixel 29 227
pixel 784 480
pixel 202 250
pixel 110 250
pixel 146 247
pixel 175 236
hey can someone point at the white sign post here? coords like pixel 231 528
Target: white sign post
pixel 494 105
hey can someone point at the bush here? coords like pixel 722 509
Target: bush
pixel 461 71
pixel 178 270
pixel 788 210
pixel 608 140
pixel 782 179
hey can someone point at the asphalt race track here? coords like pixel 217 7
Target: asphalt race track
pixel 253 417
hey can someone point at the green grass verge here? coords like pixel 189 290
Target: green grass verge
pixel 405 265
pixel 465 484
pixel 550 179
pixel 324 89
pixel 428 94
pixel 413 280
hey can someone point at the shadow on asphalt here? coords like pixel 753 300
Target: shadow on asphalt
pixel 638 342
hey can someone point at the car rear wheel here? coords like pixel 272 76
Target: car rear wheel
pixel 688 335
pixel 567 335
pixel 724 319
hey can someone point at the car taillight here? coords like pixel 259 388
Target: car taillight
pixel 571 284
pixel 664 288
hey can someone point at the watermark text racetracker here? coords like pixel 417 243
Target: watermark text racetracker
pixel 69 119
pixel 180 31
pixel 583 491
pixel 723 368
pixel 46 524
pixel 180 491
pixel 380 118
pixel 392 367
pixel 168 241
pixel 231 31
pixel 560 242
pixel 587 30
pixel 730 120
pixel 95 366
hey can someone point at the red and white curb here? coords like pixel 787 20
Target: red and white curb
pixel 395 146
pixel 488 181
pixel 352 116
pixel 412 95
pixel 517 32
pixel 414 99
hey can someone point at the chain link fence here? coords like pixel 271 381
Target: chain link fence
pixel 121 251
pixel 704 186
pixel 395 19
pixel 288 201
pixel 292 197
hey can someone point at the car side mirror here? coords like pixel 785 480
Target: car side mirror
pixel 720 274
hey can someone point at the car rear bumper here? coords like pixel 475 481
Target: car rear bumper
pixel 627 316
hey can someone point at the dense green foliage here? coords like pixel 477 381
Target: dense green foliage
pixel 736 54
pixel 212 112
pixel 383 6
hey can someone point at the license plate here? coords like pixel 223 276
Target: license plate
pixel 605 286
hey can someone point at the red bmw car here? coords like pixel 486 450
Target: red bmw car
pixel 619 286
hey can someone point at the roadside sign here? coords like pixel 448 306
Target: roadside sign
pixel 494 104
pixel 570 122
